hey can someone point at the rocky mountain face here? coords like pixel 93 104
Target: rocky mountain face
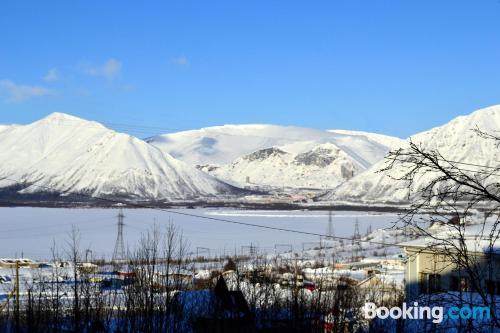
pixel 320 168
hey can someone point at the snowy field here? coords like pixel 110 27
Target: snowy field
pixel 32 231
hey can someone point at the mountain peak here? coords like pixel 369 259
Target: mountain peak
pixel 67 120
pixel 460 128
pixel 487 112
pixel 455 141
pixel 71 155
pixel 58 116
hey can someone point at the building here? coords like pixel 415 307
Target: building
pixel 432 267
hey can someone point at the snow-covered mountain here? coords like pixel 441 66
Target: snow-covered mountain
pixel 455 140
pixel 323 167
pixel 223 144
pixel 69 154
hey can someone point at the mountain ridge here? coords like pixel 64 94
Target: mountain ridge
pixel 223 144
pixel 70 154
pixel 455 140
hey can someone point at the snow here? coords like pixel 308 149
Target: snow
pixel 455 140
pixel 5 127
pixel 323 167
pixel 32 231
pixel 70 154
pixel 476 238
pixel 223 144
pixel 330 273
pixel 391 142
pixel 202 274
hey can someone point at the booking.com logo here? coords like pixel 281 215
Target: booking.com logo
pixel 436 313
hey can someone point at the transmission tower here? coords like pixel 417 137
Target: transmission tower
pixel 356 235
pixel 119 252
pixel 330 233
pixel 383 243
pixel 356 244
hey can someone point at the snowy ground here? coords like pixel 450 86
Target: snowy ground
pixel 32 231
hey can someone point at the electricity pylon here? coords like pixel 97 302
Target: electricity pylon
pixel 119 252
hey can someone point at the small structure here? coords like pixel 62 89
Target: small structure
pixel 23 262
pixel 87 268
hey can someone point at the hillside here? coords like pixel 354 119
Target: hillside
pixel 456 141
pixel 323 167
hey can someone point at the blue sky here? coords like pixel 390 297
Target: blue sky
pixel 395 67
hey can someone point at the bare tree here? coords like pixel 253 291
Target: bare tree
pixel 75 257
pixel 450 194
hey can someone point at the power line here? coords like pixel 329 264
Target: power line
pixel 468 170
pixel 246 223
pixel 147 128
pixel 208 218
pixel 24 235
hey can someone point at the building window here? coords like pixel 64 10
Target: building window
pixel 454 283
pixel 490 287
pixel 434 283
pixel 422 283
pixel 429 283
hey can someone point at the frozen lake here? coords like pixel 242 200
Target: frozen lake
pixel 32 231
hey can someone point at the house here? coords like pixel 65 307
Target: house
pixel 431 265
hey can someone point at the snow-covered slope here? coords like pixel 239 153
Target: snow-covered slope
pixel 70 154
pixel 455 140
pixel 386 140
pixel 223 144
pixel 323 167
pixel 5 127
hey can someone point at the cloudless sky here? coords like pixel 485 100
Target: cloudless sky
pixel 396 67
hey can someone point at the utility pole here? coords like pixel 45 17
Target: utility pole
pixel 119 251
pixel 383 243
pixel 17 294
pixel 369 230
